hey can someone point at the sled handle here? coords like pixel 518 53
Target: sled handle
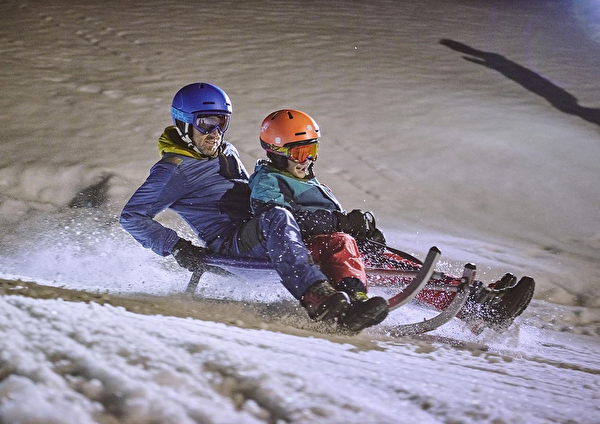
pixel 196 275
pixel 193 283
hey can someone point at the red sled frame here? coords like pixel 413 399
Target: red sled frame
pixel 414 278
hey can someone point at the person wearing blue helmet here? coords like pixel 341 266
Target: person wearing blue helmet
pixel 207 109
pixel 201 177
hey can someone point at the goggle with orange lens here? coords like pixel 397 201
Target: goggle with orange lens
pixel 299 152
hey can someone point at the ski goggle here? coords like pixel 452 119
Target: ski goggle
pixel 203 121
pixel 208 123
pixel 299 152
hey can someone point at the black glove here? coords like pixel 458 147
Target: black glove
pixel 377 235
pixel 353 223
pixel 188 256
pixel 359 224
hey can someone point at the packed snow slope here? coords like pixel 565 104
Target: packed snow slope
pixel 64 362
pixel 472 126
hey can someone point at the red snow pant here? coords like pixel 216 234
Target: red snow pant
pixel 338 256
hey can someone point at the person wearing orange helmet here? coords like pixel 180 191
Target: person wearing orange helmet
pixel 286 179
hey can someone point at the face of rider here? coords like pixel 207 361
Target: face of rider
pixel 298 169
pixel 207 144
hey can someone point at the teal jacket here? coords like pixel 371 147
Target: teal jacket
pixel 311 202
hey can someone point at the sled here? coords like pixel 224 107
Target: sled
pixel 393 269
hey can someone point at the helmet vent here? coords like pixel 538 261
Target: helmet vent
pixel 290 116
pixel 208 103
pixel 300 133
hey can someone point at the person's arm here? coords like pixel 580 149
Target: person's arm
pixel 161 189
pixel 321 221
pixel 235 167
pixel 266 193
pixel 269 191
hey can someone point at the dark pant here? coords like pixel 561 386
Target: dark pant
pixel 275 235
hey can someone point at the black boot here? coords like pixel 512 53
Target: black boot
pixel 508 280
pixel 498 307
pixel 363 311
pixel 324 303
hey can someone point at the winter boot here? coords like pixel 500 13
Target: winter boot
pixel 363 311
pixel 507 280
pixel 497 307
pixel 324 303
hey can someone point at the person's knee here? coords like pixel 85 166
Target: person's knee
pixel 278 216
pixel 278 224
pixel 343 241
pixel 278 211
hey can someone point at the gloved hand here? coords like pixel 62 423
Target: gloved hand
pixel 377 235
pixel 354 223
pixel 359 224
pixel 188 256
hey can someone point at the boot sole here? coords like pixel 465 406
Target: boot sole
pixel 366 314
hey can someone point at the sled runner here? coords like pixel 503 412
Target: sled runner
pixel 392 269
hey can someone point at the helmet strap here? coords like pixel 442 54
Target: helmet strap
pixel 311 173
pixel 185 137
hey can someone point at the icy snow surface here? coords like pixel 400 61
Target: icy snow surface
pixel 472 126
pixel 73 362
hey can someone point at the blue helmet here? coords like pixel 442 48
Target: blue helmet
pixel 198 100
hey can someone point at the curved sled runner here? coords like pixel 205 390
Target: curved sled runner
pixel 417 277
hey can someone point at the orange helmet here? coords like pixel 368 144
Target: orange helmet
pixel 290 133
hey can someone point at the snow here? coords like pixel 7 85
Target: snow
pixel 445 151
pixel 80 362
